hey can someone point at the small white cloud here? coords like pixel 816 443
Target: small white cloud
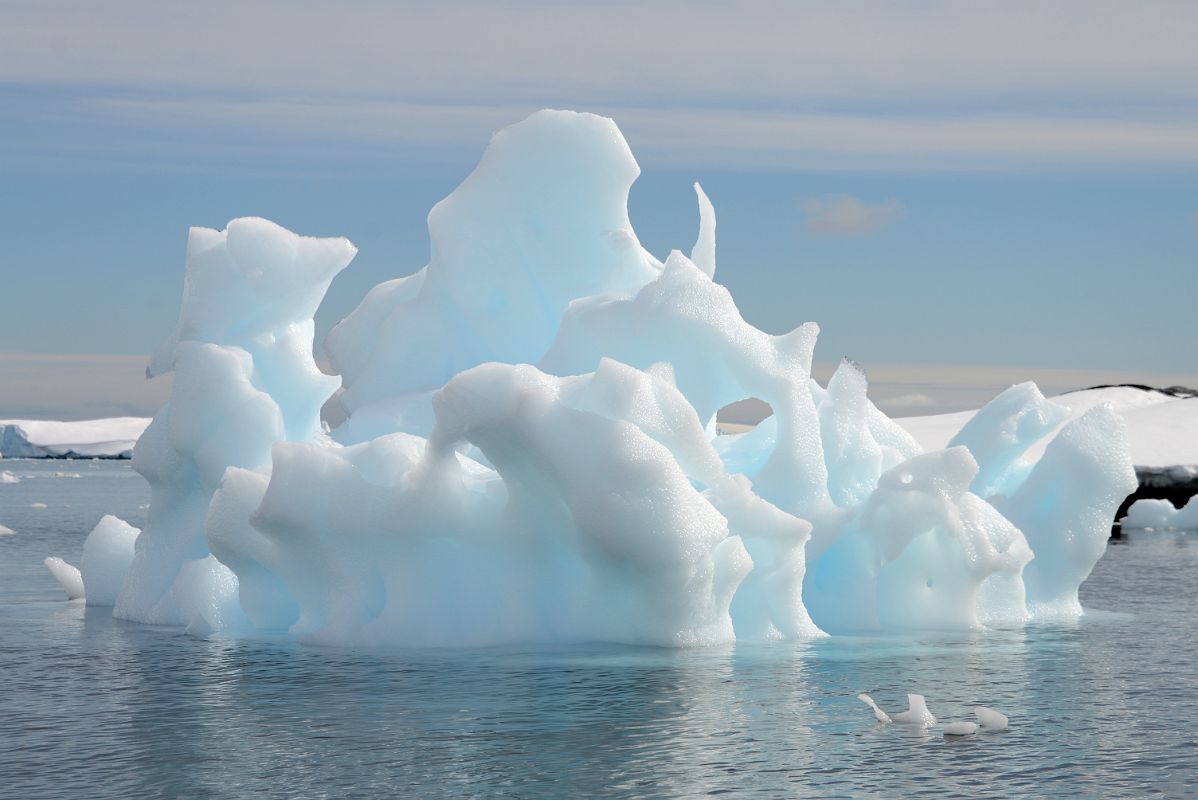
pixel 904 401
pixel 842 215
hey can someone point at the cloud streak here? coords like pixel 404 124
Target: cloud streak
pixel 359 128
pixel 810 85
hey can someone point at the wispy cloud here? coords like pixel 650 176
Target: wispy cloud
pixel 842 215
pixel 353 127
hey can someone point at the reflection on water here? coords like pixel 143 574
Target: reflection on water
pixel 94 707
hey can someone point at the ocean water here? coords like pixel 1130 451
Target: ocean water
pixel 91 707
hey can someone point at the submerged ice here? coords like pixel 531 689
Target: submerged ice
pixel 528 452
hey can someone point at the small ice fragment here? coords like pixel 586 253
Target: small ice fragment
pixel 4 531
pixel 990 719
pixel 68 577
pixel 960 728
pixel 38 505
pixel 917 714
pixel 879 714
pixel 8 477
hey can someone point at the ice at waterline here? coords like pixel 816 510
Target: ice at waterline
pixel 529 453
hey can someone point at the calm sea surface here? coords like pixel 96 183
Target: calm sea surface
pixel 91 707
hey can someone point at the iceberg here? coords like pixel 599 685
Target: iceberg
pixel 93 438
pixel 529 451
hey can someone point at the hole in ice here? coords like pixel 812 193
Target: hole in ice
pixel 735 417
pixel 929 583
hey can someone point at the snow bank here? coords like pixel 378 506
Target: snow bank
pixel 1161 515
pixel 95 438
pixel 529 452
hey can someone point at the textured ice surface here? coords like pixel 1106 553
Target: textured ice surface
pixel 528 452
pixel 960 728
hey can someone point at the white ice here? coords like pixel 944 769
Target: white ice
pixel 960 728
pixel 528 452
pixel 879 714
pixel 6 531
pixel 68 577
pixel 917 712
pixel 990 719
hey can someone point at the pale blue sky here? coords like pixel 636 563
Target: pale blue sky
pixel 981 183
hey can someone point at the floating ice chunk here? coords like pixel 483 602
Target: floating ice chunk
pixel 6 531
pixel 917 713
pixel 107 556
pixel 8 477
pixel 68 577
pixel 990 719
pixel 879 714
pixel 960 728
pixel 1161 515
pixel 38 505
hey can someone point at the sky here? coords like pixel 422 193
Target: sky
pixel 957 192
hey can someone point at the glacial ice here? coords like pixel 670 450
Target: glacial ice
pixel 528 453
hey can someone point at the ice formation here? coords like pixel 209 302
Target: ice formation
pixel 93 438
pixel 879 714
pixel 960 728
pixel 528 452
pixel 1161 515
pixel 990 719
pixel 68 577
pixel 917 712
